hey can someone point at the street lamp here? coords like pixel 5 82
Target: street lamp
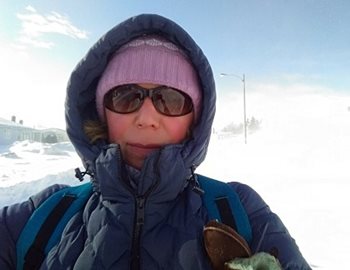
pixel 244 103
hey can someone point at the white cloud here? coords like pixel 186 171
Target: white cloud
pixel 36 25
pixel 35 42
pixel 30 8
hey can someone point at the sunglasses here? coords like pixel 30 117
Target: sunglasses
pixel 166 100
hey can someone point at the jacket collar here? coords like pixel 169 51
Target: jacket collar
pixel 162 177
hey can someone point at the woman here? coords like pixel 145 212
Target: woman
pixel 139 111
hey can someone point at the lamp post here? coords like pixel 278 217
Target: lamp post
pixel 244 101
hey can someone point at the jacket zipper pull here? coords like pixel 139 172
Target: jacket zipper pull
pixel 194 182
pixel 140 217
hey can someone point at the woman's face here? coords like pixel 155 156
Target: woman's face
pixel 141 132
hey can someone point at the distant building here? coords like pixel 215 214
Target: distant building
pixel 11 131
pixel 53 135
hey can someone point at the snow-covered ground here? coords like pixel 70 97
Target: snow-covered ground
pixel 298 162
pixel 27 167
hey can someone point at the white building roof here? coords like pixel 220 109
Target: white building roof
pixel 5 122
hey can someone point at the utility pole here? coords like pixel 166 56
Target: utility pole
pixel 244 101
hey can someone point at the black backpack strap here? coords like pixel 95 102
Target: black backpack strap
pixel 224 205
pixel 45 226
pixel 36 253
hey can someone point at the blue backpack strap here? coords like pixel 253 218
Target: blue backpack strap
pixel 224 205
pixel 45 226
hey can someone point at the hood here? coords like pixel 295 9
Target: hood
pixel 80 100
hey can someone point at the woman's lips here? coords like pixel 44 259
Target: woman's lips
pixel 143 149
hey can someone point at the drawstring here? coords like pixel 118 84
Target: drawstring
pixel 193 181
pixel 80 175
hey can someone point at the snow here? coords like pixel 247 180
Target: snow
pixel 28 167
pixel 298 162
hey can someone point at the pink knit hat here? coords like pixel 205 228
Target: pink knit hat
pixel 150 59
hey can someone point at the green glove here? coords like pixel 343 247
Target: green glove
pixel 259 261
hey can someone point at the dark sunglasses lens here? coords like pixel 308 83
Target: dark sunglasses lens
pixel 171 102
pixel 124 99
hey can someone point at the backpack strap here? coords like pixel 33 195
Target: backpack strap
pixel 45 226
pixel 224 205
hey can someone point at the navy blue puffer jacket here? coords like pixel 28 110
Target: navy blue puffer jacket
pixel 106 234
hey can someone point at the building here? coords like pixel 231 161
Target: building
pixel 11 131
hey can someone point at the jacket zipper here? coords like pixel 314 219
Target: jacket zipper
pixel 138 224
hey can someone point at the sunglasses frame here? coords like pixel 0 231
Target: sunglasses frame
pixel 145 93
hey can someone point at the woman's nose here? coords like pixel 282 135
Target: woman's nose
pixel 147 115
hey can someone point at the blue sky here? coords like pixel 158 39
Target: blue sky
pixel 272 41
